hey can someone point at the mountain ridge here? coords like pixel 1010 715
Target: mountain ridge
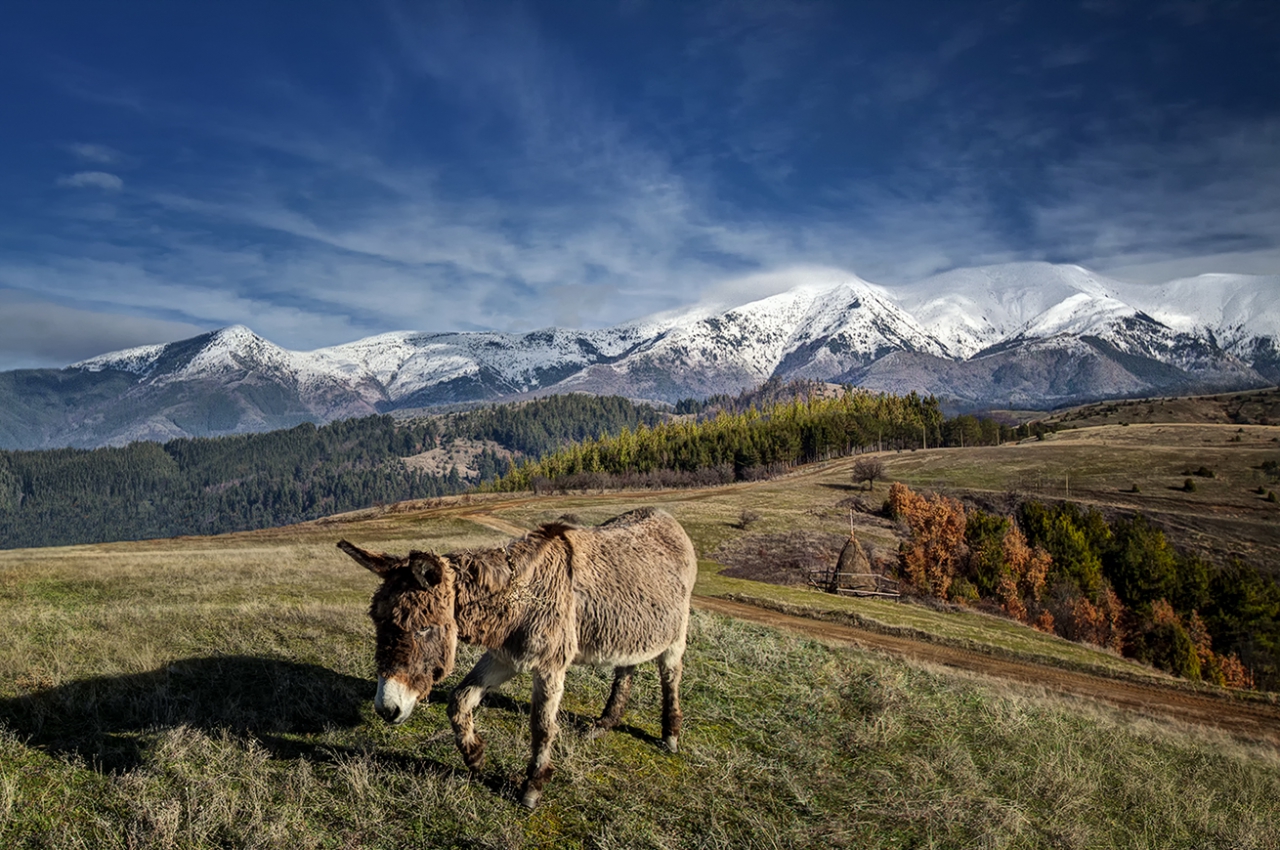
pixel 1023 334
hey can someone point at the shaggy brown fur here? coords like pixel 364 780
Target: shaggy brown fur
pixel 615 595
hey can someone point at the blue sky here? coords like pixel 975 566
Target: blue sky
pixel 325 171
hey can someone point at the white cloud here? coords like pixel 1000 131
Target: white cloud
pixel 1204 202
pixel 95 153
pixel 37 333
pixel 92 179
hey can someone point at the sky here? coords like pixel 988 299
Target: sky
pixel 324 171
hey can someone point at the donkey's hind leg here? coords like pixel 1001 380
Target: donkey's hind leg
pixel 489 673
pixel 670 668
pixel 617 704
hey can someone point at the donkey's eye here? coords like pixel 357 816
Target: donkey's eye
pixel 424 632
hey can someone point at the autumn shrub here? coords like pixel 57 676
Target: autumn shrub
pixel 1165 642
pixel 930 559
pixel 1025 571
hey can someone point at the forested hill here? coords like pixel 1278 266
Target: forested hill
pixel 221 484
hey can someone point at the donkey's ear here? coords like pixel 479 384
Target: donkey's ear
pixel 428 568
pixel 376 562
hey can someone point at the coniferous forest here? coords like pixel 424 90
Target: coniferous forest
pixel 733 441
pixel 221 484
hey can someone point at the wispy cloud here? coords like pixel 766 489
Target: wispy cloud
pixel 92 180
pixel 1202 203
pixel 37 333
pixel 94 153
pixel 485 170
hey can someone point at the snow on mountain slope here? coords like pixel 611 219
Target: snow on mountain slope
pixel 971 309
pixel 138 361
pixel 987 335
pixel 1236 308
pixel 817 330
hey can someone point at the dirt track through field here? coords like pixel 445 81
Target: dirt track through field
pixel 1258 721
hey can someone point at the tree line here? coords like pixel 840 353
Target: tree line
pixel 1118 584
pixel 238 483
pixel 762 432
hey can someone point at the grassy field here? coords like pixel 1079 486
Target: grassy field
pixel 1100 466
pixel 215 692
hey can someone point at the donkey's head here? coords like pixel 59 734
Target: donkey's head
pixel 413 616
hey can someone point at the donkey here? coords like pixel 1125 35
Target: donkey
pixel 612 596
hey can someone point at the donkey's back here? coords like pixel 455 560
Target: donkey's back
pixel 632 578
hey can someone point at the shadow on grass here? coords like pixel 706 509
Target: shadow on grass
pixel 100 719
pixel 107 722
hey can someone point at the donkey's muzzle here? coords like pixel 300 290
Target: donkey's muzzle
pixel 394 702
pixel 392 714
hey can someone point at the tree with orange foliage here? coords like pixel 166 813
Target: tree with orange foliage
pixel 1024 572
pixel 931 558
pixel 1228 670
pixel 1099 623
pixel 1234 673
pixel 1167 643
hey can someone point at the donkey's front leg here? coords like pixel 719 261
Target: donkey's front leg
pixel 490 672
pixel 548 688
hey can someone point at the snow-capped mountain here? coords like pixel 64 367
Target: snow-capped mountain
pixel 1026 334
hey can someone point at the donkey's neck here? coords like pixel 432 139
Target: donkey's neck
pixel 490 588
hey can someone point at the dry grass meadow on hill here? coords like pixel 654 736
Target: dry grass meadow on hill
pixel 214 692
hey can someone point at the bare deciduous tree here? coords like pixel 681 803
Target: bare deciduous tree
pixel 868 469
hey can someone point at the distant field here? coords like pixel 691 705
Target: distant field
pixel 1248 407
pixel 1099 466
pixel 204 692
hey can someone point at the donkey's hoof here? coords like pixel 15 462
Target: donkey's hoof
pixel 671 744
pixel 530 798
pixel 595 731
pixel 473 754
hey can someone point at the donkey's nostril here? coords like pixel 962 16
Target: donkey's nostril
pixel 388 713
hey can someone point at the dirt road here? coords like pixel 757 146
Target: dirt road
pixel 1258 721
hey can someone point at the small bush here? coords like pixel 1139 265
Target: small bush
pixel 1189 486
pixel 1271 496
pixel 964 592
pixel 747 518
pixel 1135 488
